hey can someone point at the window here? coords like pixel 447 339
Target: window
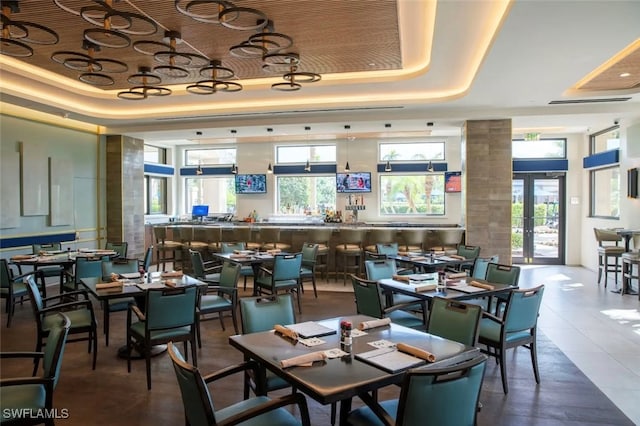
pixel 216 192
pixel 209 157
pixel 155 200
pixel 421 194
pixel 543 148
pixel 299 154
pixel 305 194
pixel 421 151
pixel 605 140
pixel 153 154
pixel 605 192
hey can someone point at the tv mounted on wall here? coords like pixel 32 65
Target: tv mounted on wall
pixel 251 184
pixel 452 181
pixel 353 182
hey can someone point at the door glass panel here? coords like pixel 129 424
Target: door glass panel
pixel 546 193
pixel 517 220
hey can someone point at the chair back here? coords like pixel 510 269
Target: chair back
pixel 88 267
pixel 227 247
pixel 388 249
pixel 261 314
pixel 286 267
pixel 37 248
pixel 198 405
pixel 197 263
pixel 606 235
pixel 503 274
pixel 468 252
pixel 449 395
pixel 320 235
pixel 119 247
pixel 636 242
pixel 413 238
pixel 229 274
pixel 455 320
pixel 309 254
pixel 351 236
pixel 380 269
pixel 479 269
pixel 270 235
pixel 523 306
pixel 160 233
pixel 120 266
pixel 5 274
pixel 368 297
pixel 34 294
pixel 148 258
pixel 54 349
pixel 170 307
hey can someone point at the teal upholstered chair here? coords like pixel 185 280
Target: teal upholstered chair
pixel 369 301
pixel 208 272
pixel 502 274
pixel 308 268
pixel 454 320
pixel 198 404
pixel 220 297
pixel 445 396
pixel 480 265
pixel 35 393
pixel 471 253
pixel 79 311
pixel 53 271
pixel 284 276
pixel 119 266
pixel 12 288
pixel 120 247
pixel 391 249
pixel 145 262
pixel 85 267
pixel 517 327
pixel 262 314
pixel 383 269
pixel 246 270
pixel 170 315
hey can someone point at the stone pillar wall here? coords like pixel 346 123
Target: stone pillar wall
pixel 125 192
pixel 488 171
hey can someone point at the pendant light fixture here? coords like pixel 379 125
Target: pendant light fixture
pixel 269 168
pixel 199 170
pixel 307 166
pixel 347 168
pixel 430 167
pixel 387 167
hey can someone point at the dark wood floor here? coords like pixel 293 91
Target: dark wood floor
pixel 109 395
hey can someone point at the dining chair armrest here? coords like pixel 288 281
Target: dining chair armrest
pixel 66 296
pixel 406 305
pixel 37 273
pixel 275 403
pixel 18 381
pixel 492 317
pixel 232 369
pixel 265 270
pixel 61 306
pixel 377 409
pixel 33 355
pixel 221 289
pixel 133 308
pixel 211 266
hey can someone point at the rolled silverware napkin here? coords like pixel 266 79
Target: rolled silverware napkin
pixel 417 352
pixel 481 285
pixel 285 331
pixel 305 360
pixel 171 274
pixel 457 256
pixel 404 278
pixel 454 275
pixel 364 325
pixel 111 285
pixel 22 256
pixel 417 258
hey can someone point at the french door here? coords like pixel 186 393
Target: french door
pixel 537 229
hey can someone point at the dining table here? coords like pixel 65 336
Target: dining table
pixel 252 258
pixel 367 365
pixel 428 262
pixel 627 235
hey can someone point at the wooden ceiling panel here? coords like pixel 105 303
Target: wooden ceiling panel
pixel 332 36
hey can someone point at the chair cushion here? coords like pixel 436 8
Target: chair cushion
pixel 280 416
pixel 611 250
pixel 19 289
pixel 406 319
pixel 51 271
pixel 31 396
pixel 635 256
pixel 198 245
pixel 212 301
pixel 80 318
pixel 490 330
pixel 137 329
pixel 168 245
pixel 116 305
pixel 348 248
pixel 306 272
pixel 364 416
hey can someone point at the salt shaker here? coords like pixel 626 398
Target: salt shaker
pixel 345 335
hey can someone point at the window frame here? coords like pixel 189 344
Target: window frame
pixel 212 208
pixel 443 143
pixel 276 204
pixel 148 179
pixel 381 186
pixel 593 196
pixel 563 157
pixel 309 158
pixel 187 163
pixel 593 139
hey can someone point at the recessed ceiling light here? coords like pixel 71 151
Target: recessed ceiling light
pixel 625 74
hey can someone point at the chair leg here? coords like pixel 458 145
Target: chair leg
pixel 10 310
pixel 105 322
pixel 234 319
pixel 198 331
pixel 503 369
pixel 147 359
pixel 194 353
pixel 221 318
pixel 534 360
pixel 94 335
pixel 313 282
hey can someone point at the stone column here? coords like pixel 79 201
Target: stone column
pixel 125 192
pixel 487 169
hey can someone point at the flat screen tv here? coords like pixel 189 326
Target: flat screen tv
pixel 452 181
pixel 353 182
pixel 199 211
pixel 251 184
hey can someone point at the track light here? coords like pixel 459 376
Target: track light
pixel 387 167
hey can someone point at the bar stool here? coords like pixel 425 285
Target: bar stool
pixel 380 236
pixel 164 247
pixel 213 237
pixel 245 235
pixel 412 240
pixel 270 239
pixel 321 237
pixel 609 253
pixel 349 248
pixel 449 240
pixel 199 241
